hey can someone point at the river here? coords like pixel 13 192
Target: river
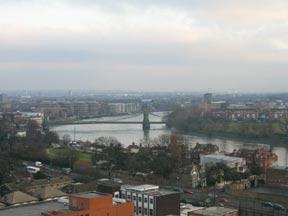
pixel 128 133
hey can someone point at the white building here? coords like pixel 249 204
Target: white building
pixel 149 200
pixel 233 162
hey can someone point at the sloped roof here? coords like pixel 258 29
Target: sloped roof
pixel 18 197
pixel 48 192
pixel 2 205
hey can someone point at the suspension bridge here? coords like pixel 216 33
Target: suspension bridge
pixel 122 120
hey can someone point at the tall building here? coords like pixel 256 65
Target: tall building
pixel 150 200
pixel 208 98
pixel 3 98
pixel 94 204
pixel 81 109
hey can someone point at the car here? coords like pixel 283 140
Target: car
pixel 117 180
pixel 224 200
pixel 278 207
pixel 267 205
pixel 188 191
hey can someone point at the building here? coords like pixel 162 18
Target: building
pixel 150 200
pixel 94 204
pixel 198 176
pixel 32 210
pixel 232 162
pixel 81 109
pixel 93 108
pixel 47 192
pixel 214 211
pixel 18 198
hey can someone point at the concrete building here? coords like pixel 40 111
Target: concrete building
pixel 93 108
pixel 233 162
pixel 81 109
pixel 150 200
pixel 94 204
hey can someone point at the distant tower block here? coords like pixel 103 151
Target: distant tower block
pixel 70 93
pixel 208 98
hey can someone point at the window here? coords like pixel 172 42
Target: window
pixel 134 198
pixel 139 210
pixel 139 199
pixel 128 197
pixel 151 212
pixel 151 201
pixel 145 200
pixel 145 211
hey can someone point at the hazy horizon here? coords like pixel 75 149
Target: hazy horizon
pixel 163 46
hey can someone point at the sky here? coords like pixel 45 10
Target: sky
pixel 144 45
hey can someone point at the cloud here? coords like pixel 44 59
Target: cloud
pixel 185 44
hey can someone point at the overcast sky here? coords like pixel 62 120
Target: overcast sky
pixel 162 45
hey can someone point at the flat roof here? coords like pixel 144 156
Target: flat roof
pixel 90 195
pixel 33 209
pixel 215 211
pixel 152 190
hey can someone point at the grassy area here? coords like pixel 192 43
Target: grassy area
pixel 85 156
pixel 54 153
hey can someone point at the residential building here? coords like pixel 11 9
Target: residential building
pixel 198 176
pixel 94 204
pixel 150 200
pixel 17 198
pixel 81 109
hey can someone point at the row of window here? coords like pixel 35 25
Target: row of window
pixel 139 199
pixel 145 211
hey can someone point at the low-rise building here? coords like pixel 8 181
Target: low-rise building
pixel 18 198
pixel 94 204
pixel 198 176
pixel 150 200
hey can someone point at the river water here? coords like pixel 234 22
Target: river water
pixel 128 133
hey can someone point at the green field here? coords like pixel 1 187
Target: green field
pixel 55 153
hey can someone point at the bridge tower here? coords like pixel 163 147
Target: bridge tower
pixel 146 122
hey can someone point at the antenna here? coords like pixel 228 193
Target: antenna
pixel 74 133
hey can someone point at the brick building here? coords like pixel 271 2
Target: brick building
pixel 94 204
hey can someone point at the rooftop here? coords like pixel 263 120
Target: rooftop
pixel 89 195
pixel 151 190
pixel 215 211
pixel 33 210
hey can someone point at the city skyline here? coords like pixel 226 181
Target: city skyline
pixel 145 46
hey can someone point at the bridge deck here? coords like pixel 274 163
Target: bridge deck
pixel 110 122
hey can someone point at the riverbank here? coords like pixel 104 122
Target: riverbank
pixel 273 142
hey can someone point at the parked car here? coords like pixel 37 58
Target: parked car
pixel 267 204
pixel 188 191
pixel 278 207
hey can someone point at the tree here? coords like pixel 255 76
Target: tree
pixel 66 139
pixel 4 167
pixel 256 170
pixel 162 165
pixel 51 137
